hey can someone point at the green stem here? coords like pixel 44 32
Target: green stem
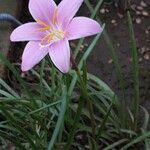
pixel 135 68
pixel 89 103
pixel 80 106
pixel 93 123
pixel 73 130
pixel 41 78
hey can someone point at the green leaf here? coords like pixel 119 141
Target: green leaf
pixel 15 73
pixel 135 68
pixel 101 84
pixel 15 123
pixel 44 107
pixel 60 119
pixel 136 140
pixel 115 144
pixel 12 139
pixel 6 94
pixel 8 88
pixel 105 119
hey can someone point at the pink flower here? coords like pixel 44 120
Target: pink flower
pixel 51 32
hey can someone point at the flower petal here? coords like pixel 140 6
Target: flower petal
pixel 81 27
pixel 60 55
pixel 42 10
pixel 26 32
pixel 67 10
pixel 32 55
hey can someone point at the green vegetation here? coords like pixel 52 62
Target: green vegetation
pixel 49 110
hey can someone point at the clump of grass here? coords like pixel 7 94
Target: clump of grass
pixel 72 111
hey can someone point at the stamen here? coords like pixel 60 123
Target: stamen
pixel 42 23
pixel 47 39
pixel 50 38
pixel 42 29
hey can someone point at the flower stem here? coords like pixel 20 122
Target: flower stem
pixel 80 106
pixel 75 123
pixel 89 102
pixel 93 123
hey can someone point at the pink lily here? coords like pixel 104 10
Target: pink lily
pixel 51 32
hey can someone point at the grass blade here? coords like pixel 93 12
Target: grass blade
pixel 59 121
pixel 105 119
pixel 8 88
pixel 136 140
pixel 110 147
pixel 6 94
pixel 15 72
pixel 135 68
pixel 44 107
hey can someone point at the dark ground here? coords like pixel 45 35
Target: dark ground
pixel 100 62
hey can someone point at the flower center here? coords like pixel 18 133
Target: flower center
pixel 52 33
pixel 51 36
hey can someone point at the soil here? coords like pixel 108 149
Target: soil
pixel 100 62
pixel 13 7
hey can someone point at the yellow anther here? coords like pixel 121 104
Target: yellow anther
pixel 59 34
